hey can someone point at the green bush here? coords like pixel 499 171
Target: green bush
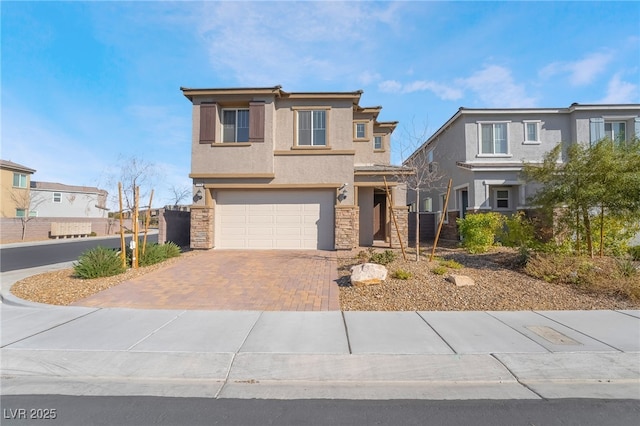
pixel 98 262
pixel 439 270
pixel 479 230
pixel 156 253
pixel 402 274
pixel 383 258
pixel 518 231
pixel 450 264
pixel 635 252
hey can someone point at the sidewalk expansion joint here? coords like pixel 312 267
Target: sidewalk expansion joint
pixel 517 379
pixel 436 332
pixel 346 331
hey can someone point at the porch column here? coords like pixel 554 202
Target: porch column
pixel 401 214
pixel 347 227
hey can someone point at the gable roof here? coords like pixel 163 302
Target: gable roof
pixel 53 186
pixel 10 165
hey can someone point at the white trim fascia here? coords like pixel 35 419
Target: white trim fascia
pixel 464 185
pixel 502 182
pixel 492 169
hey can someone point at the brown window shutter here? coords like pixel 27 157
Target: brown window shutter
pixel 256 122
pixel 208 114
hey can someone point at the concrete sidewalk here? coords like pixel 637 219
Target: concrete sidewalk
pixel 333 354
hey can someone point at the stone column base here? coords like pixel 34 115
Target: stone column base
pixel 347 230
pixel 202 226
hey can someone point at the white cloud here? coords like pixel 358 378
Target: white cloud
pixel 368 77
pixel 495 87
pixel 441 91
pixel 267 43
pixel 620 92
pixel 581 72
pixel 390 86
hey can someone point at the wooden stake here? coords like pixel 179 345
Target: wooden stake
pixel 444 212
pixel 147 218
pixel 123 246
pixel 393 216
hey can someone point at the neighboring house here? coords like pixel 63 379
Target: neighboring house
pixel 482 151
pixel 16 196
pixel 279 170
pixel 58 200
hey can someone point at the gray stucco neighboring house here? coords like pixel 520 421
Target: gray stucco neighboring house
pixel 59 200
pixel 281 170
pixel 482 151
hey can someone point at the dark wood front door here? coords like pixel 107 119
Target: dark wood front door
pixel 379 217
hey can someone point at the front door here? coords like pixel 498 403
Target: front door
pixel 464 203
pixel 379 217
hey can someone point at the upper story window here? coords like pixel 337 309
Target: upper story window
pixel 615 130
pixel 430 161
pixel 19 180
pixel 312 127
pixel 531 132
pixel 494 139
pixel 377 142
pixel 57 197
pixel 235 125
pixel 360 130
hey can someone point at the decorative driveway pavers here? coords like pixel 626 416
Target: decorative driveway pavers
pixel 263 280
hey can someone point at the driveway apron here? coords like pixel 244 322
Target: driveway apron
pixel 265 280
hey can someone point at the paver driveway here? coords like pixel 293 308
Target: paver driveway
pixel 265 280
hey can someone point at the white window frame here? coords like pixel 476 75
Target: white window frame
pixel 613 137
pixel 427 205
pixel 235 125
pixel 21 212
pixel 526 124
pixel 378 146
pixel 59 197
pixel 508 138
pixel 356 131
pixel 430 161
pixel 496 198
pixel 22 180
pixel 313 142
pixel 442 210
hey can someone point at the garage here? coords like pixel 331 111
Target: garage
pixel 274 219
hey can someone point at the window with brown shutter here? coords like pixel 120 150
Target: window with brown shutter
pixel 208 123
pixel 256 122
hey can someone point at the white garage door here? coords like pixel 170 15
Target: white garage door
pixel 274 219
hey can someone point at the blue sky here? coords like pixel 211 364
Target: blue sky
pixel 85 84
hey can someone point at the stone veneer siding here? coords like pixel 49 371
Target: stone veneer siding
pixel 402 218
pixel 347 227
pixel 202 225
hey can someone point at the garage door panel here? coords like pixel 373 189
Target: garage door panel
pixel 275 219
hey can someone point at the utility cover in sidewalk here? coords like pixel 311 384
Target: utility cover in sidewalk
pixel 552 335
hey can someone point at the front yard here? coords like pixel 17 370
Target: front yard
pixel 500 284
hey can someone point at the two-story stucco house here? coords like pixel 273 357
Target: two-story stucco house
pixel 59 200
pixel 16 196
pixel 482 151
pixel 280 170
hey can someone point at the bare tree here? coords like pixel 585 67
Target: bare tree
pixel 179 194
pixel 27 201
pixel 427 174
pixel 134 172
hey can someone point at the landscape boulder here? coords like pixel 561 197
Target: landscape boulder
pixel 460 280
pixel 368 274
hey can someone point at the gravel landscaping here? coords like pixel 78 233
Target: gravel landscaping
pixel 498 286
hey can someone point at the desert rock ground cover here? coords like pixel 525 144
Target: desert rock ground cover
pixel 500 284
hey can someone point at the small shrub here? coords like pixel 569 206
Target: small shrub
pixel 479 231
pixel 383 258
pixel 439 270
pixel 518 231
pixel 402 274
pixel 450 264
pixel 98 262
pixel 626 267
pixel 156 253
pixel 635 252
